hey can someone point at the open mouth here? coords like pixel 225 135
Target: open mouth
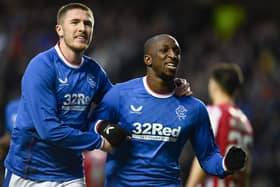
pixel 171 66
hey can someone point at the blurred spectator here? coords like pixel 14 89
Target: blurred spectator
pixel 229 124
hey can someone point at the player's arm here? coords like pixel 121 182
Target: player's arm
pixel 111 132
pixel 40 102
pixel 106 119
pixel 204 145
pixel 208 153
pixel 196 176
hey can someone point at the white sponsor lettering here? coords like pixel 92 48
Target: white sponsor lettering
pixel 75 101
pixel 155 131
pixel 157 138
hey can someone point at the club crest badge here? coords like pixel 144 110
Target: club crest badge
pixel 181 112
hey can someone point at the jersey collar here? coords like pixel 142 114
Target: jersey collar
pixel 60 54
pixel 151 92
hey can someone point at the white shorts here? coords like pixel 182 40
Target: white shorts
pixel 12 180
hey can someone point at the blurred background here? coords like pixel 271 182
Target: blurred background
pixel 208 31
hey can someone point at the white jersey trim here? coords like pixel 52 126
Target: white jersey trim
pixel 214 114
pixel 65 61
pixel 151 92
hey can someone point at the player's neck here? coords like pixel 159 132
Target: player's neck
pixel 71 56
pixel 222 98
pixel 159 86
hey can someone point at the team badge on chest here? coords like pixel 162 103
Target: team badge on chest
pixel 181 112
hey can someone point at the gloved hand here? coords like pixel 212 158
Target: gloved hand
pixel 235 159
pixel 112 132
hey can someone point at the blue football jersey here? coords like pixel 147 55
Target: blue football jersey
pixel 160 125
pixel 11 114
pixel 51 127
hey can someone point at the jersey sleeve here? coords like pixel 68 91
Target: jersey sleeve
pixel 204 145
pixel 39 97
pixel 11 114
pixel 107 110
pixel 104 85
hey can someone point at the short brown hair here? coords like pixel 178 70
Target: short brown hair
pixel 61 12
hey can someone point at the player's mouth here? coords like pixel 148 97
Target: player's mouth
pixel 81 38
pixel 171 66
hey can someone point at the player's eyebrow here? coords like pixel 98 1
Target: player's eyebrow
pixel 76 20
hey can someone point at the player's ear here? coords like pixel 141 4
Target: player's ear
pixel 148 60
pixel 59 30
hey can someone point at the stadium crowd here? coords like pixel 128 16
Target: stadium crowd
pixel 208 31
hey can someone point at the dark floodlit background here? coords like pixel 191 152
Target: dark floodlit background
pixel 208 31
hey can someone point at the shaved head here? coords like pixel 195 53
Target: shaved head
pixel 150 43
pixel 162 55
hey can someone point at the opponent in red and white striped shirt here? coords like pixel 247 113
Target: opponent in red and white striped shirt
pixel 230 127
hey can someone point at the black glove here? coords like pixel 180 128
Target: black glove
pixel 112 132
pixel 235 159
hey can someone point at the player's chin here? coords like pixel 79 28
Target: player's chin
pixel 171 73
pixel 169 76
pixel 81 47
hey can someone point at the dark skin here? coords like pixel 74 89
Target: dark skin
pixel 162 55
